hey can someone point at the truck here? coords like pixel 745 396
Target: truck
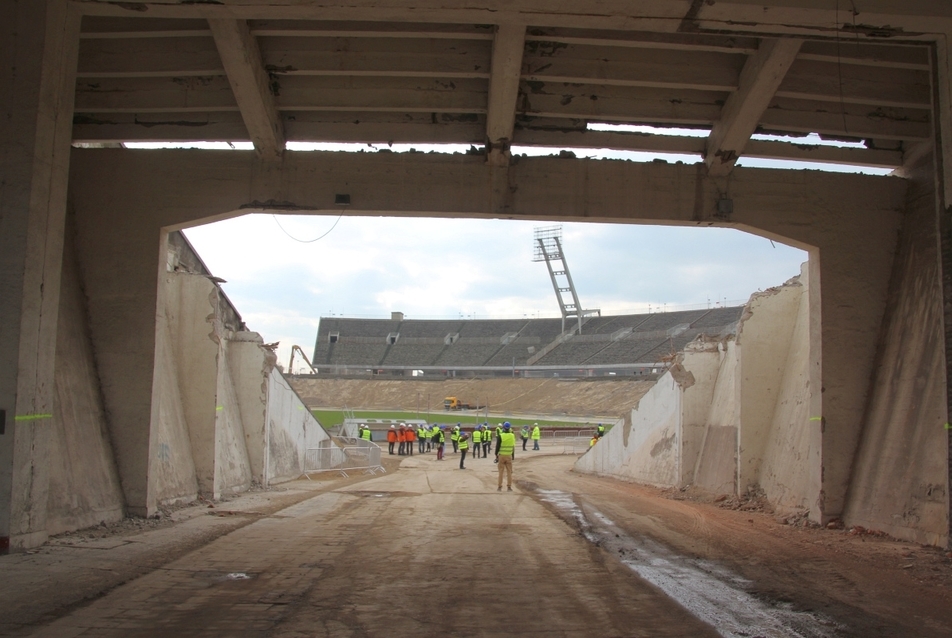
pixel 453 403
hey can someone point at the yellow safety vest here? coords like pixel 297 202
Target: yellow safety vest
pixel 507 443
pixel 464 444
pixel 454 436
pixel 477 437
pixel 536 433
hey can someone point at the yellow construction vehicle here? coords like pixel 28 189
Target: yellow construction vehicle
pixel 452 403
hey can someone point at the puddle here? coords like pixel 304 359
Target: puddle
pixel 237 576
pixel 706 589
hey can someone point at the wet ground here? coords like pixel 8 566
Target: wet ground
pixel 431 550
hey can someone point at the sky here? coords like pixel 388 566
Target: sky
pixel 449 268
pixel 284 272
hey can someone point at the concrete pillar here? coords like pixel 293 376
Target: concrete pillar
pixel 122 259
pixel 39 44
pixel 943 157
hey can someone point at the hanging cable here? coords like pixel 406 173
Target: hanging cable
pixel 305 241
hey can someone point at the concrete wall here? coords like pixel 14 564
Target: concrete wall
pixel 84 484
pixel 644 448
pixel 790 459
pixel 721 418
pixel 243 421
pixel 225 417
pixel 293 429
pixel 900 476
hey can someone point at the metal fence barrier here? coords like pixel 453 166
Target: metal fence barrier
pixel 343 454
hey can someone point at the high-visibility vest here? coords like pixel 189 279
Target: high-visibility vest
pixel 536 433
pixel 365 434
pixel 498 431
pixel 421 433
pixel 438 437
pixel 464 444
pixel 477 436
pixel 434 432
pixel 507 443
pixel 601 429
pixel 454 436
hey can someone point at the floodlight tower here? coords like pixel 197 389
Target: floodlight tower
pixel 547 245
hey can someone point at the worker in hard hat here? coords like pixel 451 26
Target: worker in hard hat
pixel 477 441
pixel 524 434
pixel 487 440
pixel 410 437
pixel 505 453
pixel 454 437
pixel 463 441
pixel 600 432
pixel 439 440
pixel 432 442
pixel 536 435
pixel 402 439
pixel 391 437
pixel 421 435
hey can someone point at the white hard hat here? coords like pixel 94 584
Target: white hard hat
pixel 393 426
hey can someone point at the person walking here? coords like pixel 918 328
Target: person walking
pixel 438 441
pixel 505 453
pixel 525 436
pixel 463 441
pixel 536 435
pixel 454 437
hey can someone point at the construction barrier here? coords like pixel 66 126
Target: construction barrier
pixel 343 454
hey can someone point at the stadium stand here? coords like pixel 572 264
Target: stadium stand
pixel 473 343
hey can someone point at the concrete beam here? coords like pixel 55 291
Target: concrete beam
pixel 305 126
pixel 882 18
pixel 40 42
pixel 252 88
pixel 759 80
pixel 695 146
pixel 506 68
pixel 298 93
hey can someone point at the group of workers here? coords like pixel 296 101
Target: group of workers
pixel 402 438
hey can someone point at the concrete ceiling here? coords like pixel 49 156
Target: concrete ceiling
pixel 517 73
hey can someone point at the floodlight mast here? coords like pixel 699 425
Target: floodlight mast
pixel 548 248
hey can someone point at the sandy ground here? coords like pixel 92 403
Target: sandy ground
pixel 429 550
pixel 582 397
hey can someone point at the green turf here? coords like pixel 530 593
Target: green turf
pixel 331 418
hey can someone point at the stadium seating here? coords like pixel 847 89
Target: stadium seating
pixel 608 340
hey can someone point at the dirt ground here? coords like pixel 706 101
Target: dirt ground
pixel 581 397
pixel 429 550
